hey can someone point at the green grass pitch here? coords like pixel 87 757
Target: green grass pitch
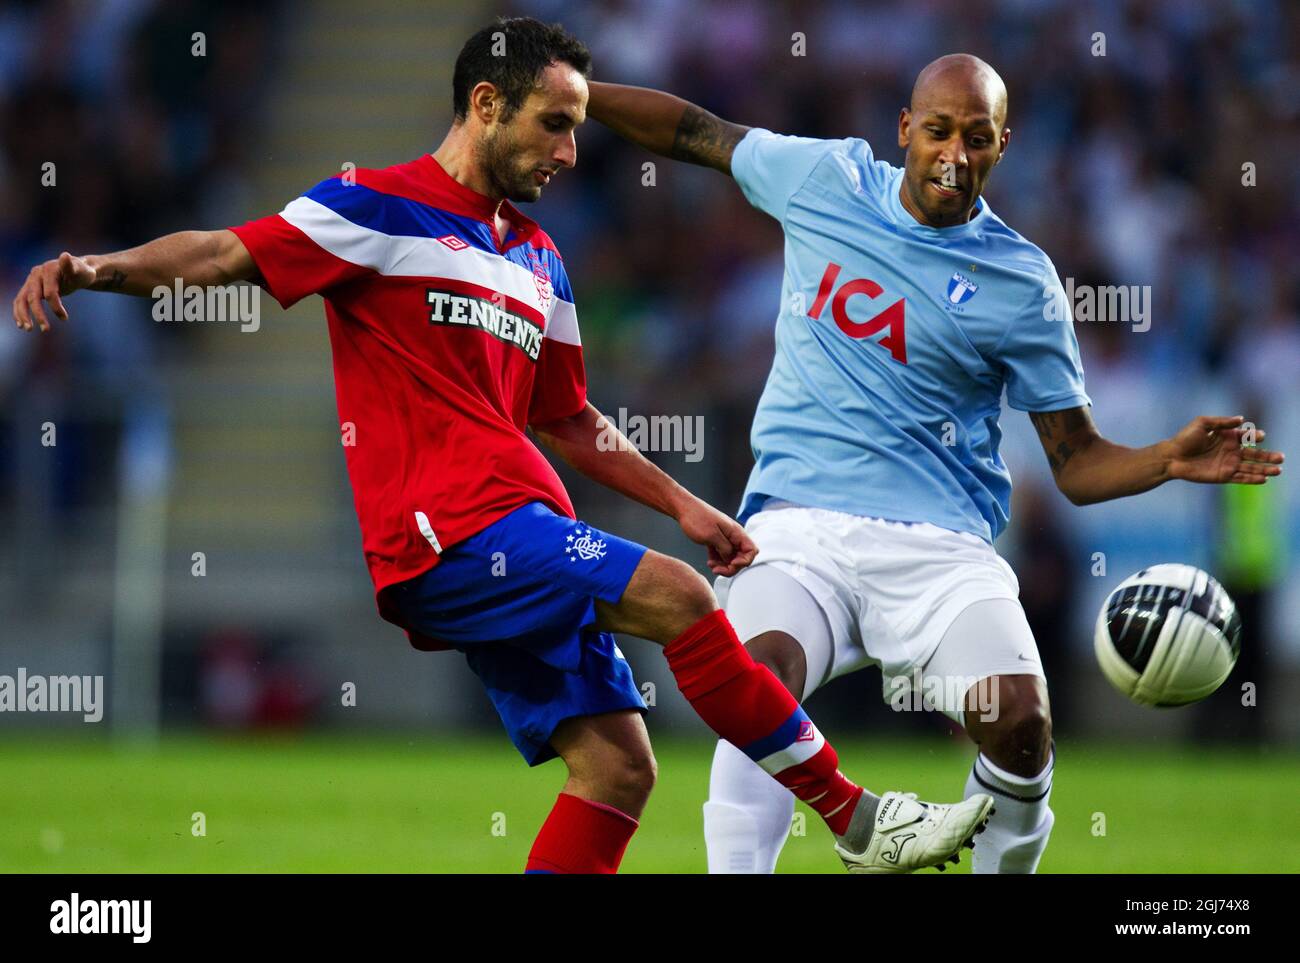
pixel 469 805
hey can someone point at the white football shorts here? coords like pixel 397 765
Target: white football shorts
pixel 888 593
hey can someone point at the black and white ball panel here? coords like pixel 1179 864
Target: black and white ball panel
pixel 1136 613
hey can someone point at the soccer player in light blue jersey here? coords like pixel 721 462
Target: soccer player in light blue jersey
pixel 908 308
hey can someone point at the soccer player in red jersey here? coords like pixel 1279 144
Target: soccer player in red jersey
pixel 453 330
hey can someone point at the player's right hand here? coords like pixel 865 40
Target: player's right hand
pixel 729 546
pixel 47 282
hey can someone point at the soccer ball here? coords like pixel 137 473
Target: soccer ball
pixel 1168 635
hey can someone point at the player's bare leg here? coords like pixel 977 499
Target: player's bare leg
pixel 609 759
pixel 666 601
pixel 611 772
pixel 1014 763
pixel 1019 739
pixel 664 598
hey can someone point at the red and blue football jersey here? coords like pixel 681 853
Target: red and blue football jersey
pixel 447 343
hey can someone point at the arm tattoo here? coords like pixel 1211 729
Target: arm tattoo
pixel 702 138
pixel 1060 432
pixel 113 283
pixel 1063 454
pixel 1045 422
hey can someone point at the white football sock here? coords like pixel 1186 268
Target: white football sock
pixel 1018 829
pixel 747 817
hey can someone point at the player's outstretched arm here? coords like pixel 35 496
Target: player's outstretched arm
pixel 196 257
pixel 665 124
pixel 591 444
pixel 1088 468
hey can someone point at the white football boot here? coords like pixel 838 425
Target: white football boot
pixel 909 835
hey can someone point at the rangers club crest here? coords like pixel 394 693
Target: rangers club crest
pixel 961 289
pixel 583 546
pixel 541 279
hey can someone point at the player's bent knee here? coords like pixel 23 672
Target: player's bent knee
pixel 1021 737
pixel 637 775
pixel 697 599
pixel 1017 735
pixel 626 778
pixel 665 591
pixel 1031 726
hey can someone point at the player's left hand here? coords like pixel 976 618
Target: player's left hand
pixel 730 547
pixel 1211 450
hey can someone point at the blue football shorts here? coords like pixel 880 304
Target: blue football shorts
pixel 518 599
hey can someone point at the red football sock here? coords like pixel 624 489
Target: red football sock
pixel 744 703
pixel 581 836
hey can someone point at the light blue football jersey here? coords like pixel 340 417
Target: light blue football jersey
pixel 894 343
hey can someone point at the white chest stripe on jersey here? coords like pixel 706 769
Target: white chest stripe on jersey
pixel 427 257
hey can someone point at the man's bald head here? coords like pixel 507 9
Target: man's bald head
pixel 961 76
pixel 955 133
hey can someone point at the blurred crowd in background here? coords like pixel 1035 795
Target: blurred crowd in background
pixel 1153 144
pixel 121 82
pixel 120 121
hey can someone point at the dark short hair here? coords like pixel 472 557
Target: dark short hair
pixel 530 46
